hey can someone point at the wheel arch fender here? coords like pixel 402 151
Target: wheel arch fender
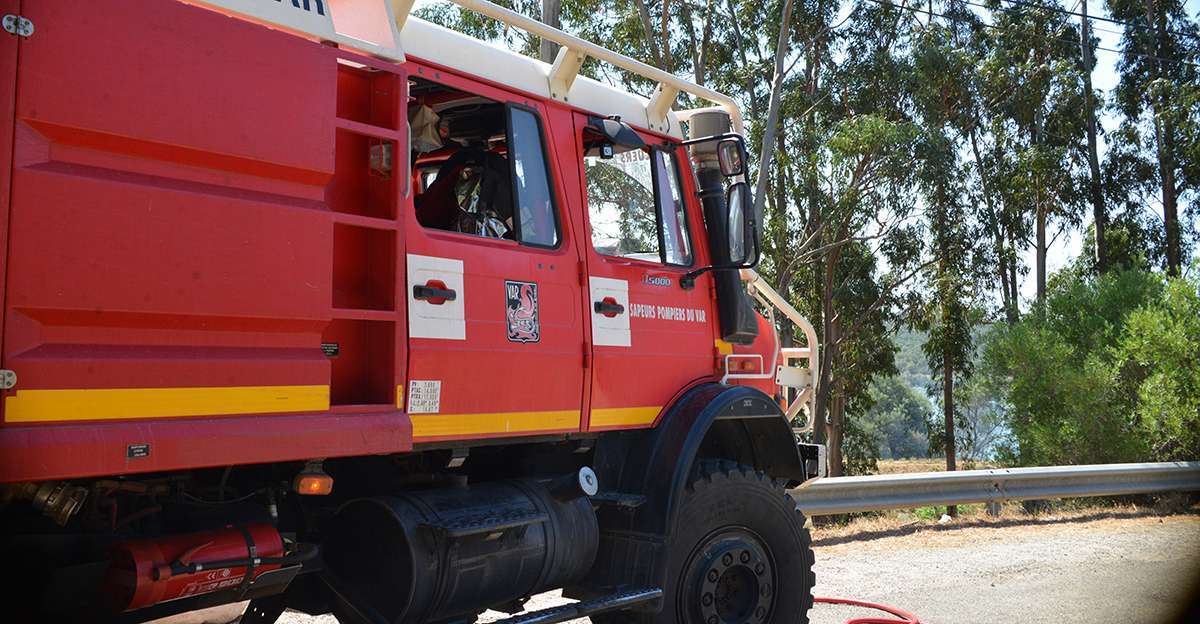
pixel 710 420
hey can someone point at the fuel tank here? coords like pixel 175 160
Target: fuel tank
pixel 433 555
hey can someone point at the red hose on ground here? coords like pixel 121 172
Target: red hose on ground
pixel 904 616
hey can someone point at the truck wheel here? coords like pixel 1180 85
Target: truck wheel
pixel 740 553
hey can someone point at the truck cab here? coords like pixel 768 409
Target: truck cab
pixel 325 307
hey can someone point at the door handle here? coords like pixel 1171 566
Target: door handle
pixel 609 307
pixel 435 292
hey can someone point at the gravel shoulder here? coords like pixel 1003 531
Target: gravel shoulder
pixel 1108 567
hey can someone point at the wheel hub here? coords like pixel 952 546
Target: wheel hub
pixel 732 580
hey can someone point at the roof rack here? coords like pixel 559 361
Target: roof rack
pixel 374 27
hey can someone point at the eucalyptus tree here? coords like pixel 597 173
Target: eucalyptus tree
pixel 846 190
pixel 943 68
pixel 1159 96
pixel 1030 83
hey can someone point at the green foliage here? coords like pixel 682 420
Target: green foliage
pixel 1160 352
pixel 896 420
pixel 1106 372
pixel 861 448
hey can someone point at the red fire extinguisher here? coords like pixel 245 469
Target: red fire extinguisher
pixel 149 571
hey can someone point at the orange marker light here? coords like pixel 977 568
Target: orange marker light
pixel 310 484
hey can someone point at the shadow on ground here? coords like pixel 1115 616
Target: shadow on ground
pixel 1031 521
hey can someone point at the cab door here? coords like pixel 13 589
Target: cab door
pixel 495 334
pixel 650 336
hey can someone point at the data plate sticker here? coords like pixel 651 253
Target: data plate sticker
pixel 424 397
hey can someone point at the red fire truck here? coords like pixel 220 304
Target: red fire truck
pixel 316 305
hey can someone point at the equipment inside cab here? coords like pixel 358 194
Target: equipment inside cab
pixel 467 177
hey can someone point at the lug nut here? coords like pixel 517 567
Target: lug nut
pixel 727 559
pixel 713 575
pixel 745 556
pixel 706 599
pixel 759 568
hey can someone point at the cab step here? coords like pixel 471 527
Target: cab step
pixel 584 608
pixel 619 499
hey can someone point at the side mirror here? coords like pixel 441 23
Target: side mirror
pixel 741 223
pixel 729 155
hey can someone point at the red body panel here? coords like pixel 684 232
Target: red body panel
pixel 671 329
pixel 206 265
pixel 492 386
pixel 175 225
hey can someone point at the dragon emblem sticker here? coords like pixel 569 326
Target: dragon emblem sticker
pixel 521 311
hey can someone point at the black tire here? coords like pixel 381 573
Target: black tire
pixel 739 555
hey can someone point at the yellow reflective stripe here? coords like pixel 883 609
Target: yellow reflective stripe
pixel 120 403
pixel 439 425
pixel 622 416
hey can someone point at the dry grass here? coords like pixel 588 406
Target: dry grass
pixel 896 466
pixel 873 527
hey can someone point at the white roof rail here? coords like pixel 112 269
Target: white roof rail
pixel 574 50
pixel 374 26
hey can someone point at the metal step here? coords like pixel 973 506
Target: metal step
pixel 490 522
pixel 584 608
pixel 618 499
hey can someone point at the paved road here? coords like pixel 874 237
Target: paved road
pixel 1122 568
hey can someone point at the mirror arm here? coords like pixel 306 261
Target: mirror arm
pixel 688 281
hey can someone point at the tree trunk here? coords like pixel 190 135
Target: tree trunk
pixel 648 32
pixel 551 16
pixel 741 49
pixel 1012 267
pixel 1008 300
pixel 699 46
pixel 1099 213
pixel 665 33
pixel 948 413
pixel 1166 169
pixel 828 354
pixel 1164 140
pixel 837 413
pixel 1041 249
pixel 1040 252
pixel 772 122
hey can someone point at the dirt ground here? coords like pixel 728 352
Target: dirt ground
pixel 1129 566
pixel 1132 567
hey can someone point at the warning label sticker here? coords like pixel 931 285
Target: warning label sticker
pixel 424 396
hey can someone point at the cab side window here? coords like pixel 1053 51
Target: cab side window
pixel 480 167
pixel 535 205
pixel 676 248
pixel 636 207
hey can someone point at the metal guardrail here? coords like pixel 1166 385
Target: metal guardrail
pixel 838 495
